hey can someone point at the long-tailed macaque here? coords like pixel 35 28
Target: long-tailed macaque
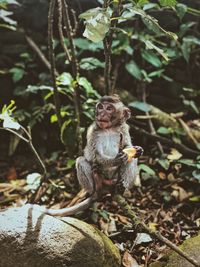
pixel 104 161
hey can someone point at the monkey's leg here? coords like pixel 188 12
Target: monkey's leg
pixel 84 174
pixel 129 173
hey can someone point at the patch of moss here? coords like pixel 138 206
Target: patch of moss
pixel 190 246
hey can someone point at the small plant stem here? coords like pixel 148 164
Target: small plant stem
pixel 75 72
pixel 52 60
pixel 107 42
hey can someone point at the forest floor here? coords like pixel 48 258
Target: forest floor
pixel 168 202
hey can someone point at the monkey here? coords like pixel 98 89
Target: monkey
pixel 103 155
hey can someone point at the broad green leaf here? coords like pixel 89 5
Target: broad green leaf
pixel 196 174
pixel 151 57
pixel 150 45
pixel 82 81
pixel 188 162
pixel 140 105
pixel 164 163
pixel 148 20
pixel 181 10
pixel 188 44
pixel 64 79
pixel 97 24
pixel 87 45
pixel 168 3
pixel 147 169
pixel 134 70
pixel 91 63
pixel 17 74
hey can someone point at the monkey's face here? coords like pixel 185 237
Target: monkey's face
pixel 104 114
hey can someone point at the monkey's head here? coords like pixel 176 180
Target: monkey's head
pixel 111 112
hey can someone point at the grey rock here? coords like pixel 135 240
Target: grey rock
pixel 29 238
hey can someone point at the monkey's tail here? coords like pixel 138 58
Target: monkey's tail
pixel 65 211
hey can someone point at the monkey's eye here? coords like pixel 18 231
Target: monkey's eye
pixel 109 108
pixel 100 106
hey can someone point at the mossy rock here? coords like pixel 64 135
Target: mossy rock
pixel 191 246
pixel 29 238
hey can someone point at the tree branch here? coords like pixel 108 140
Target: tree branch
pixel 182 148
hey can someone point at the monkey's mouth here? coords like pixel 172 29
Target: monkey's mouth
pixel 103 123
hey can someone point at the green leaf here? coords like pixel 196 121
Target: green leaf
pixel 150 57
pixel 148 20
pixel 150 45
pixel 195 199
pixel 17 74
pixel 140 105
pixel 164 130
pixel 64 79
pixel 97 22
pixel 188 162
pixel 134 70
pixel 147 169
pixel 70 163
pixel 181 10
pixel 34 88
pixel 91 63
pixel 86 45
pixel 82 81
pixel 4 15
pixel 196 174
pixel 164 163
pixel 168 3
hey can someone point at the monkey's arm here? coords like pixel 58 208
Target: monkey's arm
pixel 128 143
pixel 104 160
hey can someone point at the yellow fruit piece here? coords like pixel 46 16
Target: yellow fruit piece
pixel 130 152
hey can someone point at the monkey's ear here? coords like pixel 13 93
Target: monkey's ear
pixel 127 113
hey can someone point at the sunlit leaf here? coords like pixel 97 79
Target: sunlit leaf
pixel 142 238
pixel 169 3
pixel 33 180
pixel 8 121
pixel 97 23
pixel 174 154
pixel 181 10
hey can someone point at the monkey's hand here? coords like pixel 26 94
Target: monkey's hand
pixel 139 151
pixel 121 158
